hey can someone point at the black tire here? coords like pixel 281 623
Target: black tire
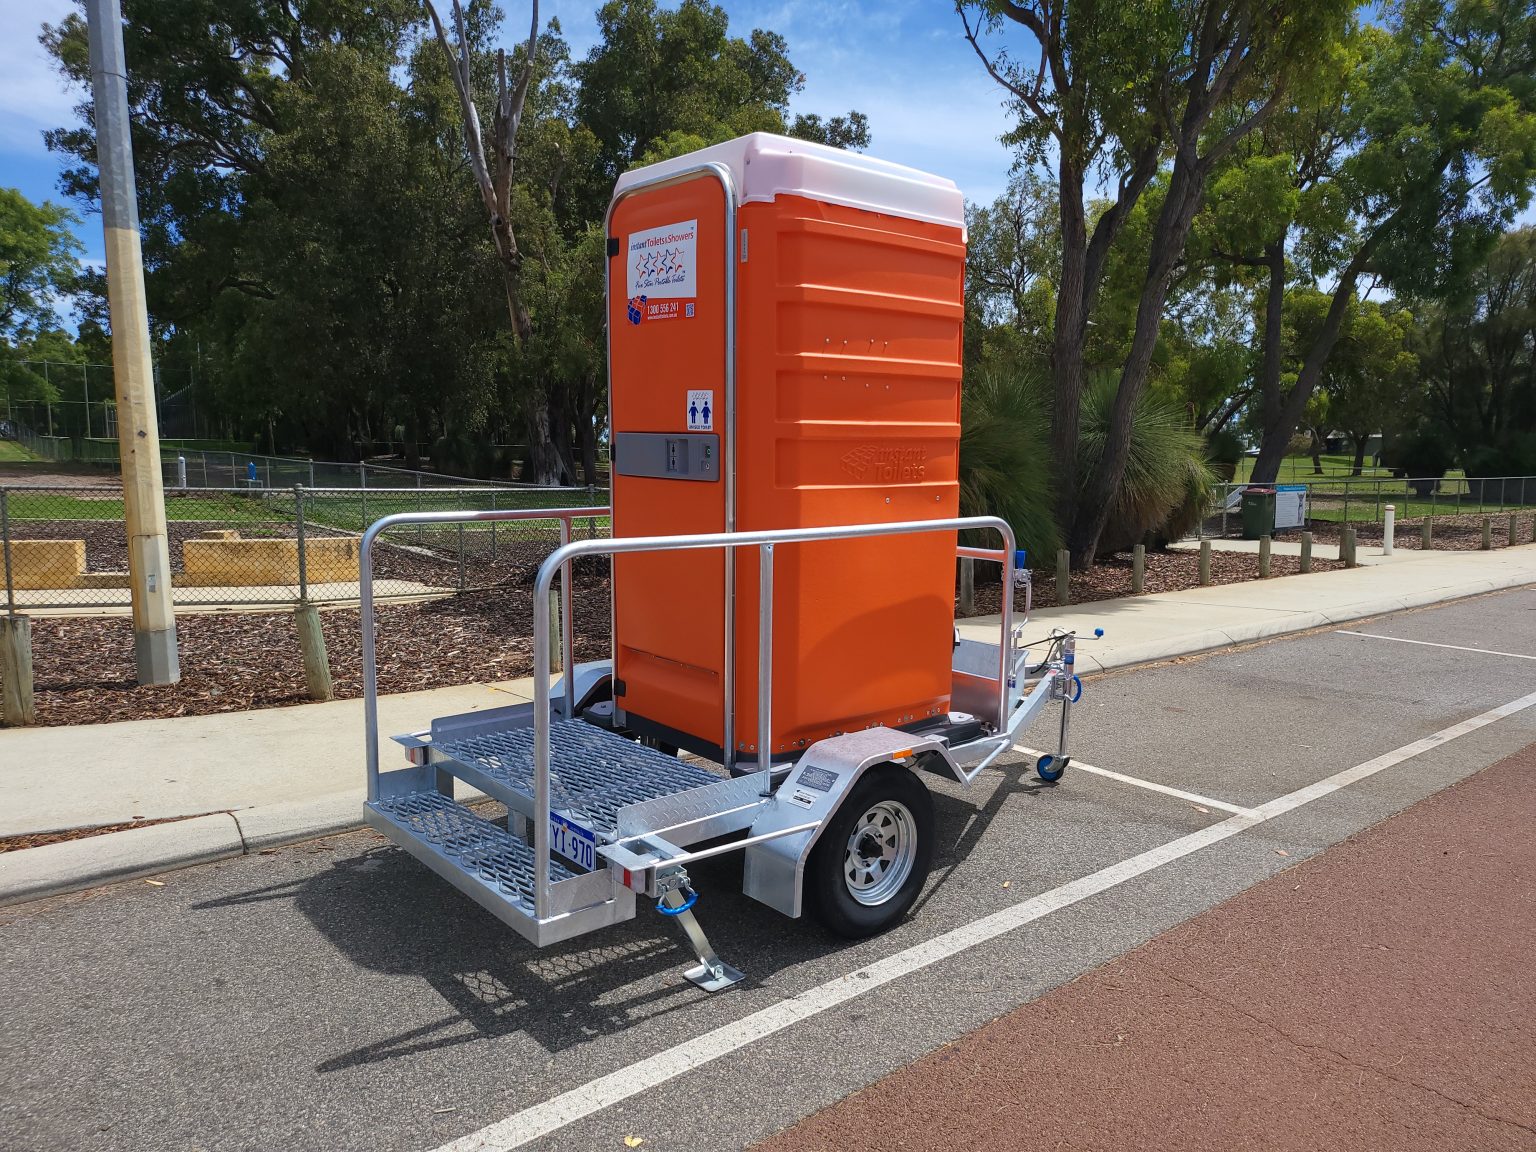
pixel 829 889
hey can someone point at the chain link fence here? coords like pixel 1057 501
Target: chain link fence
pixel 191 467
pixel 263 547
pixel 1454 507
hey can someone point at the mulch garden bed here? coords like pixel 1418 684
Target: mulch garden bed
pixel 232 661
pixel 1110 578
pixel 38 839
pixel 83 670
pixel 1447 533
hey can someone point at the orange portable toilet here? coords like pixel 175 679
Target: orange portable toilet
pixel 784 336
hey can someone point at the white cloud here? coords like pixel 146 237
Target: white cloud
pixel 32 95
pixel 949 129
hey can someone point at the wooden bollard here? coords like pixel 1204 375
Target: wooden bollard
pixel 1265 545
pixel 317 665
pixel 555 635
pixel 1487 533
pixel 1347 548
pixel 1306 552
pixel 1063 577
pixel 1205 563
pixel 1513 529
pixel 1426 534
pixel 967 586
pixel 16 670
pixel 1138 569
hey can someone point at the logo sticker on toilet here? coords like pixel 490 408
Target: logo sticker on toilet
pixel 701 410
pixel 659 273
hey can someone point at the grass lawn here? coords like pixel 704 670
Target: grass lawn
pixel 1338 471
pixel 12 452
pixel 234 510
pixel 1369 511
pixel 1299 470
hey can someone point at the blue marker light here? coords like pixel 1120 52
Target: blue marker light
pixel 1098 632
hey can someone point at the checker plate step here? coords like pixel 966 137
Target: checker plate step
pixel 456 837
pixel 594 773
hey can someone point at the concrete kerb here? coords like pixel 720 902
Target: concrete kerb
pixel 35 873
pixel 55 869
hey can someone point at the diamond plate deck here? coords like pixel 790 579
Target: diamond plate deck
pixel 479 848
pixel 594 773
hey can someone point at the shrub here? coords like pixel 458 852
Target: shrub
pixel 1224 449
pixel 1422 458
pixel 1004 458
pixel 1514 455
pixel 1167 484
pixel 461 454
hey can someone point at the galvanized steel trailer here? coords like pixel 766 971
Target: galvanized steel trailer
pixel 598 815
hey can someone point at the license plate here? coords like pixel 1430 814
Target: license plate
pixel 573 842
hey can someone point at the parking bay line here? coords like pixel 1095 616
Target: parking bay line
pixel 1149 785
pixel 1432 644
pixel 540 1120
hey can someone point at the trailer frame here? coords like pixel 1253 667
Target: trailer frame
pixel 641 843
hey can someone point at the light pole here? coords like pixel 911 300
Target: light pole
pixel 138 434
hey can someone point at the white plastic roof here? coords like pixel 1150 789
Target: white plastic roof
pixel 764 166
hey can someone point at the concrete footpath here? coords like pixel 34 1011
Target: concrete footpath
pixel 254 779
pixel 1376 996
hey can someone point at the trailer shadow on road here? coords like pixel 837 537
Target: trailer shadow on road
pixel 960 823
pixel 387 915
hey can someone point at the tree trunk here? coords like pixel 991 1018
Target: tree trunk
pixel 560 431
pixel 589 454
pixel 1272 450
pixel 1359 453
pixel 541 465
pixel 413 441
pixel 1067 343
pixel 1172 230
pixel 586 430
pixel 1274 335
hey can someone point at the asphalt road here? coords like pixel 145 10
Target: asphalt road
pixel 1390 1012
pixel 335 995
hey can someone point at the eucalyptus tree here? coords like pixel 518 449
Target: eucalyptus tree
pixel 1437 157
pixel 1107 94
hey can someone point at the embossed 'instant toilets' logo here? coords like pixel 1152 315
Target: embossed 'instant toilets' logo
pixel 880 464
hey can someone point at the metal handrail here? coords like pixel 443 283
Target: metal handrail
pixel 365 598
pixel 764 541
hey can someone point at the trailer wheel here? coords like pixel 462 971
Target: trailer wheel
pixel 874 855
pixel 1050 769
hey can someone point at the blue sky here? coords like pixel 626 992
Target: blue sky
pixel 903 63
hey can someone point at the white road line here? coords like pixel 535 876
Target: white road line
pixel 1192 797
pixel 534 1123
pixel 1432 644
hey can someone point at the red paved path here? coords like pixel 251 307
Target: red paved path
pixel 1381 995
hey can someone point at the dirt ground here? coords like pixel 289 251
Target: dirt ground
pixel 26 475
pixel 231 661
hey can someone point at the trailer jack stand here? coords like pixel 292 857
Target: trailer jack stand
pixel 711 973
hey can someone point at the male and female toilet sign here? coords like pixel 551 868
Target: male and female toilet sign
pixel 701 410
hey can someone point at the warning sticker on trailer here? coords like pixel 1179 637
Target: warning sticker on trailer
pixel 701 410
pixel 660 273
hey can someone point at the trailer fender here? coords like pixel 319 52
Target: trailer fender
pixel 774 871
